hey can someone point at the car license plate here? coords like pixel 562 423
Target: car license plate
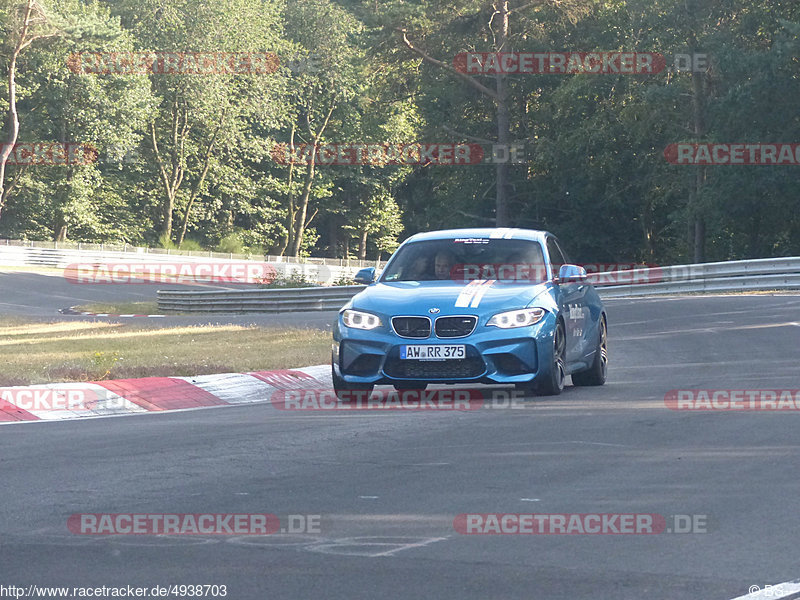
pixel 433 352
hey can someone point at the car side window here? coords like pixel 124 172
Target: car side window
pixel 556 256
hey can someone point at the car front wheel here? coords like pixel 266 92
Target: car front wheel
pixel 344 390
pixel 596 374
pixel 551 382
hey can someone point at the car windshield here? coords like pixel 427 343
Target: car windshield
pixel 468 259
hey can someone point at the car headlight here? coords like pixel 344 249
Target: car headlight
pixel 360 320
pixel 517 318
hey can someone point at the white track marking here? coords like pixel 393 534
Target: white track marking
pixel 777 591
pixel 351 546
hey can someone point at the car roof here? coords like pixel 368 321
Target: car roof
pixel 481 232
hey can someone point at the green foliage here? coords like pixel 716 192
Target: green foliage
pixel 103 362
pixel 295 279
pixel 165 242
pixel 343 280
pixel 191 245
pixel 231 243
pixel 594 172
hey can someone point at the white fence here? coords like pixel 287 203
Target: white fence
pixel 17 253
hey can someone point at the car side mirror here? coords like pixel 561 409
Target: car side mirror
pixel 571 274
pixel 365 276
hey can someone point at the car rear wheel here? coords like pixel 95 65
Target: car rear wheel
pixel 596 374
pixel 552 383
pixel 344 390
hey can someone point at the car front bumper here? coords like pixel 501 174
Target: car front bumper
pixel 493 356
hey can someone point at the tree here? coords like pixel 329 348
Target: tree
pixel 24 24
pixel 199 114
pixel 489 22
pixel 318 97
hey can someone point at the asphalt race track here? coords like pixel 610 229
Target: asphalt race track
pixel 389 485
pixel 41 296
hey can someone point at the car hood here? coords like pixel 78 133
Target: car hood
pixel 451 298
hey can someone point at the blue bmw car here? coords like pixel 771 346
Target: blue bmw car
pixel 466 306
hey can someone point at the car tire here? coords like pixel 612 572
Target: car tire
pixel 343 389
pixel 596 374
pixel 551 383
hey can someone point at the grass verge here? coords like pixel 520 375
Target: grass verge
pixel 120 308
pixel 37 352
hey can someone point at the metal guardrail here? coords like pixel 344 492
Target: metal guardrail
pixel 258 301
pixel 732 276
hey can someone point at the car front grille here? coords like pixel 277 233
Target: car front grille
pixel 412 327
pixel 425 369
pixel 453 327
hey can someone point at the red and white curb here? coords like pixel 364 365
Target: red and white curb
pixel 73 311
pixel 157 394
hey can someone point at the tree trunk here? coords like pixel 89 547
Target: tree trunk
pixel 302 208
pixel 300 222
pixel 13 116
pixel 362 245
pixel 290 208
pixel 503 123
pixel 172 181
pixel 698 126
pixel 498 96
pixel 11 140
pixel 334 241
pixel 199 181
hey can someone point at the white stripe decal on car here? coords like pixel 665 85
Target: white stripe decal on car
pixel 476 301
pixel 466 295
pixel 503 233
